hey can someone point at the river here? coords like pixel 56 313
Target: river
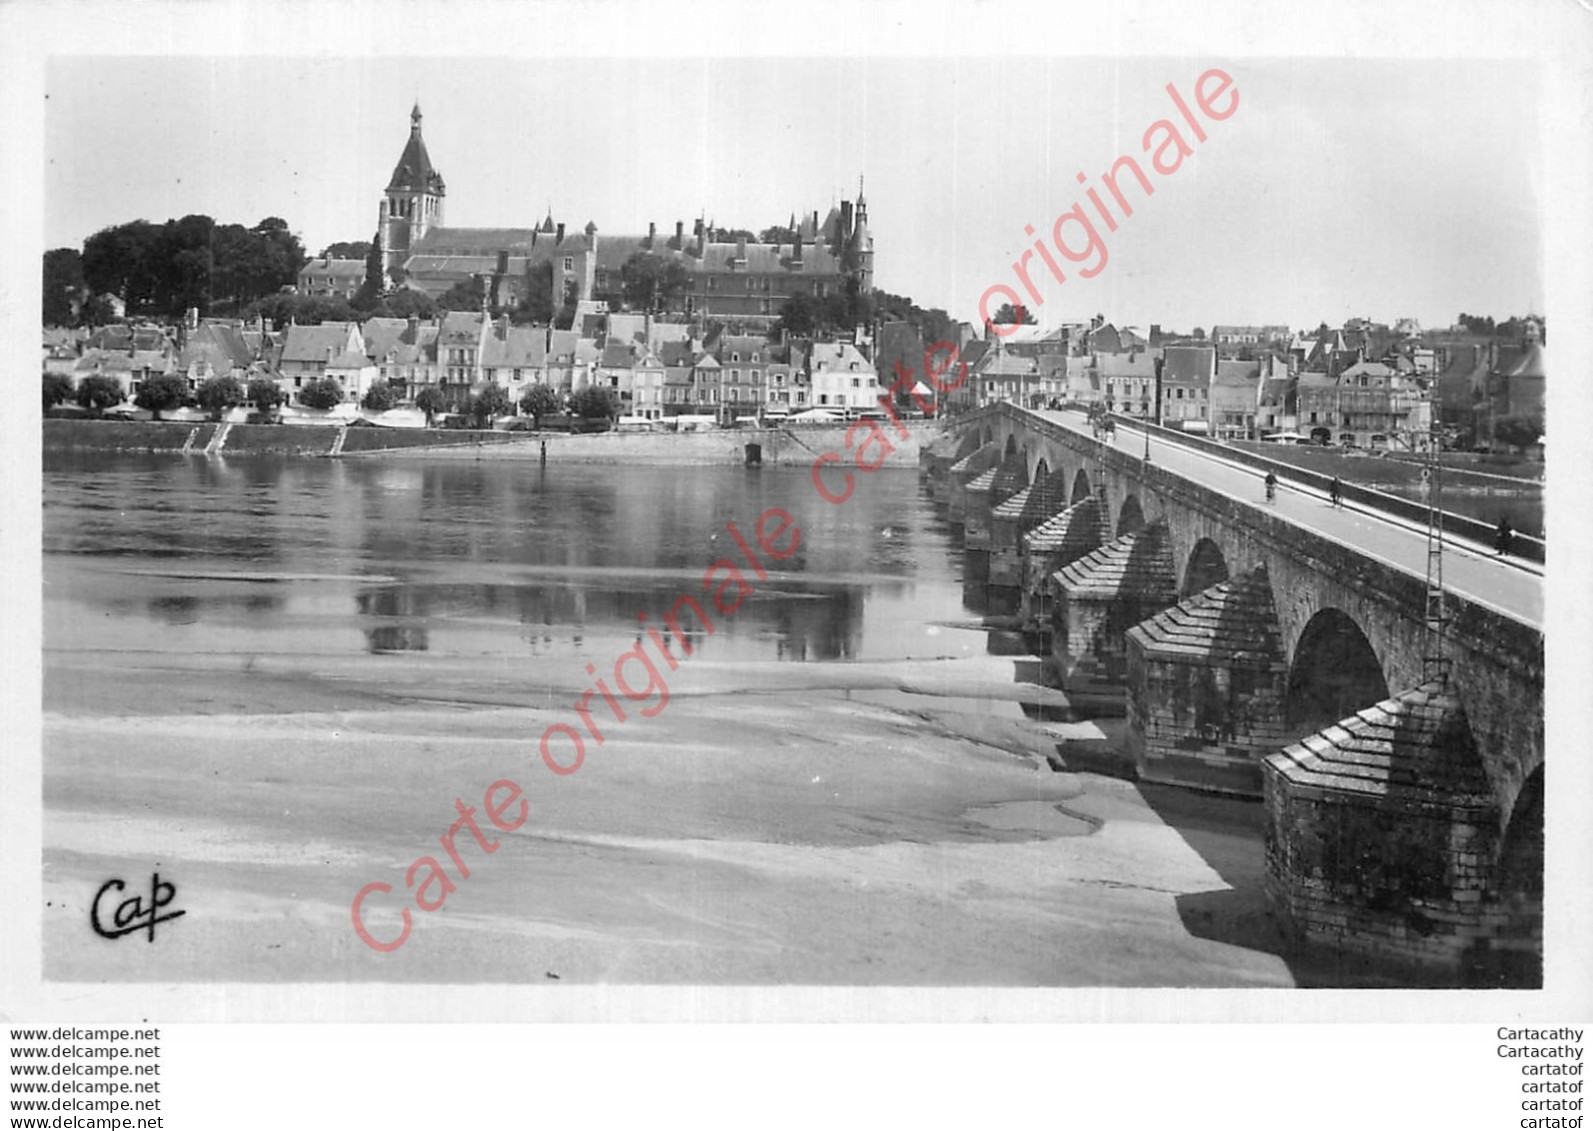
pixel 279 683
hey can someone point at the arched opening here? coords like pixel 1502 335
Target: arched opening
pixel 1011 449
pixel 1206 567
pixel 1130 518
pixel 986 436
pixel 1081 487
pixel 1334 674
pixel 1042 471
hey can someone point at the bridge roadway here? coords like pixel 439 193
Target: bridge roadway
pixel 1508 586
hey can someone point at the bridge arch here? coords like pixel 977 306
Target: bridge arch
pixel 1081 487
pixel 1129 516
pixel 1042 471
pixel 1334 673
pixel 1206 567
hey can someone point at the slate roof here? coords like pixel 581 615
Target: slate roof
pixel 460 327
pixel 414 171
pixel 488 242
pixel 1188 365
pixel 312 343
pixel 222 344
pixel 391 338
pixel 1119 365
pixel 1242 374
pixel 515 347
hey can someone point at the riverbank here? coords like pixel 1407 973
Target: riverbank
pixel 787 445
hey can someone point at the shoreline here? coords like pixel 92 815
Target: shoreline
pixel 789 445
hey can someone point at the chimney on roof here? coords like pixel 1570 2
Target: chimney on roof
pixel 652 234
pixel 413 327
pixel 697 238
pixel 558 235
pixel 680 235
pixel 796 249
pixel 503 261
pixel 503 327
pixel 741 250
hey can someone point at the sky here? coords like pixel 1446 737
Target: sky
pixel 1336 188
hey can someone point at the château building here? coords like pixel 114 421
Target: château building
pixel 741 279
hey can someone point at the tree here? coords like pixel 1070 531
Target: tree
pixel 265 394
pixel 565 318
pixel 594 402
pixel 119 260
pixel 798 317
pixel 321 393
pixel 218 394
pixel 431 401
pixel 63 286
pixel 490 402
pixel 96 311
pixel 1517 431
pixel 1008 316
pixel 779 233
pixel 98 392
pixel 405 303
pixel 161 393
pixel 539 401
pixel 306 310
pixel 536 308
pixel 57 388
pixel 467 294
pixel 380 397
pixel 347 249
pixel 650 280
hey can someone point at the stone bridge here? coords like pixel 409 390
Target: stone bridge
pixel 1255 654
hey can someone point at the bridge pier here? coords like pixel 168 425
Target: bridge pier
pixel 1383 843
pixel 936 459
pixel 1014 518
pixel 1097 599
pixel 1206 686
pixel 964 472
pixel 1059 541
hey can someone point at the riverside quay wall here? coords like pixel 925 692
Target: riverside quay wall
pixel 794 445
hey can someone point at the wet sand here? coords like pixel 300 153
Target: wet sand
pixel 891 823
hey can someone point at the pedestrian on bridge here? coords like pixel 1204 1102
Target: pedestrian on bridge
pixel 1336 492
pixel 1272 486
pixel 1504 537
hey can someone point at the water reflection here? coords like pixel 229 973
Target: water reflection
pixel 486 558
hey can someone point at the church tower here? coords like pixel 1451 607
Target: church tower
pixel 413 202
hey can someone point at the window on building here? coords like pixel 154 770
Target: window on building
pixel 569 264
pixel 757 376
pixel 856 383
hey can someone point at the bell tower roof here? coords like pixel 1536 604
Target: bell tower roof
pixel 414 171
